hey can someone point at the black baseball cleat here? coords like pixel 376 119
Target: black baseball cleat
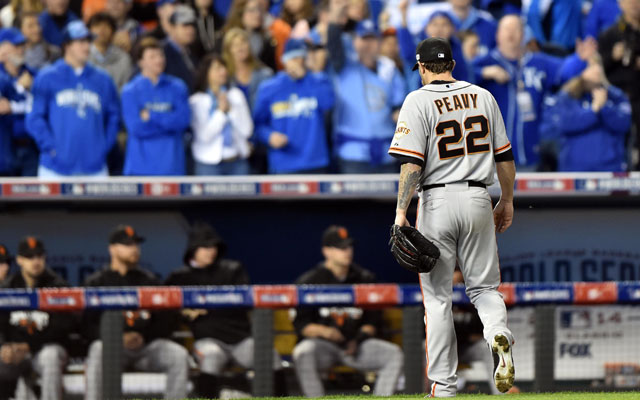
pixel 504 371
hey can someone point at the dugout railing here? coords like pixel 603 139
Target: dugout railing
pixel 265 299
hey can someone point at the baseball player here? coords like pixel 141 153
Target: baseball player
pixel 450 139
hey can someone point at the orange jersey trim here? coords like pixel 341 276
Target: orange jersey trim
pixel 408 152
pixel 505 147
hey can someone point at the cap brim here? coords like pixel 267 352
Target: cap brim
pixel 415 67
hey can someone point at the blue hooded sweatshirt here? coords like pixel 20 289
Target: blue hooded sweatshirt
pixel 155 147
pixel 590 141
pixel 74 119
pixel 295 108
pixel 536 72
pixel 51 31
pixel 6 152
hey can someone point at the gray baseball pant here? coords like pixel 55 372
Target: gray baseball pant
pixel 213 354
pixel 49 363
pixel 459 219
pixel 314 355
pixel 161 355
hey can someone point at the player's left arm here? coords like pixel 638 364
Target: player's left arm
pixel 409 178
pixel 503 213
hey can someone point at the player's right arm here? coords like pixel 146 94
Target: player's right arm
pixel 409 178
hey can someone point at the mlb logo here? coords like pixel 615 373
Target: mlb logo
pixel 440 55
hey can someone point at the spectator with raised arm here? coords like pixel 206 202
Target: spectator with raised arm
pixel 438 25
pixel 519 80
pixel 156 113
pixel 54 19
pixel 220 121
pixel 289 115
pixel 76 111
pixel 369 93
pixel 32 340
pixel 593 138
pixel 146 343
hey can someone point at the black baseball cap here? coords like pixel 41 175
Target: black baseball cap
pixel 433 49
pixel 125 234
pixel 31 246
pixel 5 257
pixel 337 236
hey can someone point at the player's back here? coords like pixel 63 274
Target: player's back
pixel 458 128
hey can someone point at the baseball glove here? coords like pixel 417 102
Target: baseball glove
pixel 412 250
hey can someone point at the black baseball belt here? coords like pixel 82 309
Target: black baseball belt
pixel 439 185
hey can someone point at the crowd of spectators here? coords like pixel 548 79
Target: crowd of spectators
pixel 132 87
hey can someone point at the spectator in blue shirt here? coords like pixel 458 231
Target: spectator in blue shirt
pixel 468 18
pixel 7 92
pixel 591 118
pixel 54 19
pixel 76 111
pixel 602 15
pixel 156 113
pixel 556 24
pixel 289 115
pixel 25 151
pixel 519 81
pixel 369 93
pixel 439 25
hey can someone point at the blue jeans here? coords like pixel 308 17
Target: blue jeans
pixel 238 167
pixel 364 167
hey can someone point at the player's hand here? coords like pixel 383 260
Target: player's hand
pixel 352 348
pixel 145 115
pixel 132 340
pixel 503 215
pixel 6 353
pixel 401 220
pixel 191 313
pixel 403 6
pixel 332 334
pixel 599 98
pixel 20 352
pixel 278 140
pixel 496 73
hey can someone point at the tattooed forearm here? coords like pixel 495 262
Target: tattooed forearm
pixel 409 178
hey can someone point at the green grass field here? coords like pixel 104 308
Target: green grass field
pixel 520 396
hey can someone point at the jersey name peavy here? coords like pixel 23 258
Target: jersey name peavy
pixel 456 102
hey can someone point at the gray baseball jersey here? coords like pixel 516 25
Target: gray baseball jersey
pixel 455 129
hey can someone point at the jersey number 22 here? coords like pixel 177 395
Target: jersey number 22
pixel 451 136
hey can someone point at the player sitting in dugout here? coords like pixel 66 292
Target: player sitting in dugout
pixel 348 336
pixel 146 342
pixel 221 334
pixel 32 341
